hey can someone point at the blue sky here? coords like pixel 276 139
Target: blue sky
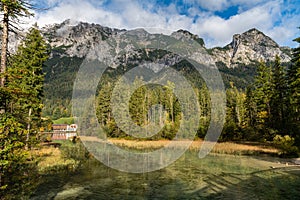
pixel 213 20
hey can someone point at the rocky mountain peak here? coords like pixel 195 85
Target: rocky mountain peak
pixel 248 47
pixel 75 38
pixel 72 38
pixel 180 34
pixel 253 37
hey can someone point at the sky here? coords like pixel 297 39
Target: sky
pixel 216 21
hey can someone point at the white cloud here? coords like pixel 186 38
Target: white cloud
pixel 53 2
pixel 285 32
pixel 79 11
pixel 221 5
pixel 215 5
pixel 219 31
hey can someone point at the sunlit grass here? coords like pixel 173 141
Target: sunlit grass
pixel 64 120
pixel 51 160
pixel 222 148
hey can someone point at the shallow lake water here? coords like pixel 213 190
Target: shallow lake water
pixel 217 176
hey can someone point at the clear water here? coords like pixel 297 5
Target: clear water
pixel 214 177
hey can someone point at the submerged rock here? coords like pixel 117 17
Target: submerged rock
pixel 71 193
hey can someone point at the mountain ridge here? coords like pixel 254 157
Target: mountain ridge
pixel 247 48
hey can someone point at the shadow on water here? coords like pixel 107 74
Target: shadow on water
pixel 215 177
pixel 266 184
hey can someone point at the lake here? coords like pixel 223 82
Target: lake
pixel 217 176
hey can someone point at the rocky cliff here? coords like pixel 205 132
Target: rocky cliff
pixel 69 39
pixel 249 47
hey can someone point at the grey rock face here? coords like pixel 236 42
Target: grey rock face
pixel 95 41
pixel 249 47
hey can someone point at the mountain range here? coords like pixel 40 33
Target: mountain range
pixel 245 48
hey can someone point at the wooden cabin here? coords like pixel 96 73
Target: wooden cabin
pixel 59 127
pixel 63 131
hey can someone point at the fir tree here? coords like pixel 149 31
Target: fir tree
pixel 24 87
pixel 25 81
pixel 263 89
pixel 278 101
pixel 294 89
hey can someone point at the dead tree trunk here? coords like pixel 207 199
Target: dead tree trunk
pixel 4 44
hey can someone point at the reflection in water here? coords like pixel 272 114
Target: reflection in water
pixel 214 177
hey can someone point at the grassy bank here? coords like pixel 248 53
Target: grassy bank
pixel 51 160
pixel 66 156
pixel 222 148
pixel 64 120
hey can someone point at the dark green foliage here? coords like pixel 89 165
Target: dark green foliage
pixel 19 125
pixel 103 101
pixel 60 75
pixel 139 107
pixel 25 81
pixel 285 143
pixel 241 75
pixel 147 96
pixel 270 104
pixel 279 104
pixel 236 118
pixel 231 125
pixel 262 95
pixel 18 175
pixel 294 93
pixel 11 12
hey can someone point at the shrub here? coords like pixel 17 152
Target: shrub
pixel 285 143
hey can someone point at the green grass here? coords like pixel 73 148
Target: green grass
pixel 66 120
pixel 52 161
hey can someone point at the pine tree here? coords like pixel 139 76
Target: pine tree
pixel 169 99
pixel 294 89
pixel 24 87
pixel 278 100
pixel 232 121
pixel 204 105
pixel 137 104
pixel 263 91
pixel 17 170
pixel 103 101
pixel 25 81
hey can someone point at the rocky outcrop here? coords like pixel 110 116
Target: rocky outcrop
pixel 77 39
pixel 250 47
